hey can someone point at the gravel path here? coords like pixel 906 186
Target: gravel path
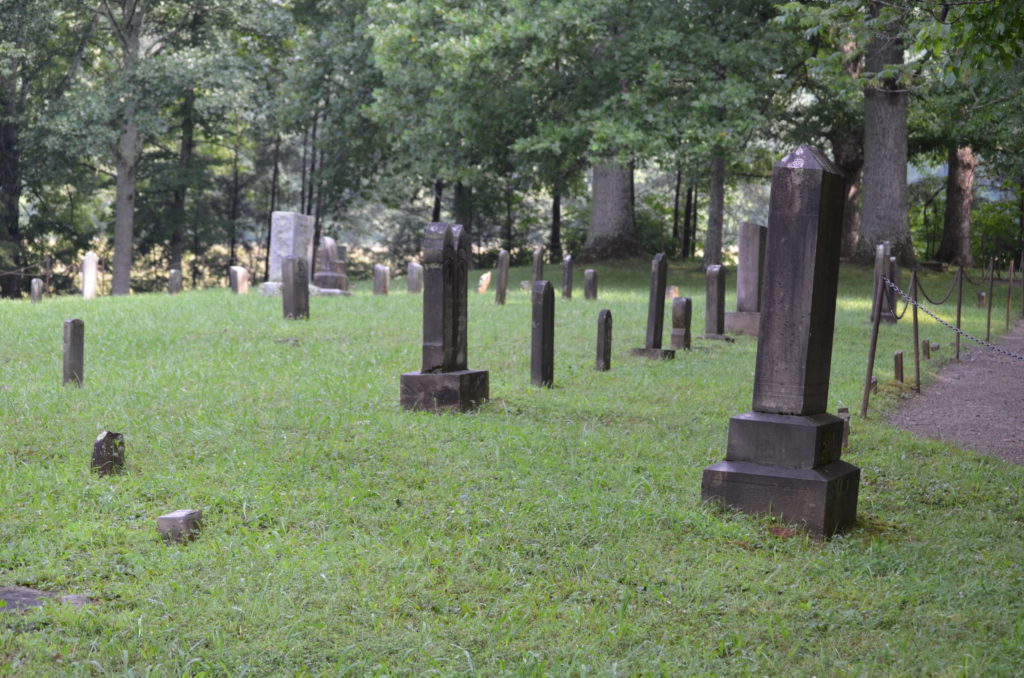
pixel 974 403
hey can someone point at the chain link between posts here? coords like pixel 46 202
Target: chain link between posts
pixel 981 342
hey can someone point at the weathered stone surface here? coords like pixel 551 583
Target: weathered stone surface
pixel 90 266
pixel 604 341
pixel 567 277
pixel 484 284
pixel 750 273
pixel 439 391
pixel 542 343
pixel 381 279
pixel 330 272
pixel 590 284
pixel 291 235
pixel 501 290
pixel 295 288
pixel 743 322
pixel 439 329
pixel 926 349
pixel 238 277
pixel 108 454
pixel 671 292
pixel 538 265
pixel 414 278
pixel 682 314
pixel 174 283
pixel 181 525
pixel 656 302
pixel 844 414
pixel 37 290
pixel 785 440
pixel 982 300
pixel 74 352
pixel 330 281
pixel 18 598
pixel 714 303
pixel 897 365
pixel 463 263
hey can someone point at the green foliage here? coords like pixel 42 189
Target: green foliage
pixel 996 231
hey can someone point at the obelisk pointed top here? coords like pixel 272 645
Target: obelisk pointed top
pixel 809 158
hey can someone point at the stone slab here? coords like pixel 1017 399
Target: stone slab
pixel 18 598
pixel 788 441
pixel 653 353
pixel 444 391
pixel 291 234
pixel 743 322
pixel 181 525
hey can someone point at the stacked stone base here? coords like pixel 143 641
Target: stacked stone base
pixel 444 391
pixel 743 322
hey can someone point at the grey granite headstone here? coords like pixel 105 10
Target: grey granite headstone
pixel 567 277
pixel 74 352
pixel 542 339
pixel 37 290
pixel 783 458
pixel 174 284
pixel 414 274
pixel 682 314
pixel 291 235
pixel 108 455
pixel 295 288
pixel 749 276
pixel 381 279
pixel 590 284
pixel 656 313
pixel 181 525
pixel 538 265
pixel 239 279
pixel 604 341
pixel 90 266
pixel 714 306
pixel 501 289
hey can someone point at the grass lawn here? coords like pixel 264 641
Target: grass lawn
pixel 553 532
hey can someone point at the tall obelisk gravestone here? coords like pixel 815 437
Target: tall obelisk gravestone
pixel 444 383
pixel 783 457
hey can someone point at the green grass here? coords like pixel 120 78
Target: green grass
pixel 553 532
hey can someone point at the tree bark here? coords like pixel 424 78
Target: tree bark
pixel 274 179
pixel 612 225
pixel 10 200
pixel 675 205
pixel 955 247
pixel 687 222
pixel 435 215
pixel 184 162
pixel 462 206
pixel 555 244
pixel 716 212
pixel 848 149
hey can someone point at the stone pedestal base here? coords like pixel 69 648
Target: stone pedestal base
pixel 653 353
pixel 444 391
pixel 330 280
pixel 824 499
pixel 743 322
pixel 785 440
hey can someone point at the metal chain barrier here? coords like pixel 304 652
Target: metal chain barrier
pixel 980 342
pixel 932 301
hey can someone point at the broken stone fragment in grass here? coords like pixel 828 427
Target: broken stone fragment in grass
pixel 181 525
pixel 108 453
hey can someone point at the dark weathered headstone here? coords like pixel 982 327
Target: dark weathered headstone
pixel 749 276
pixel 108 453
pixel 682 313
pixel 567 277
pixel 181 525
pixel 330 271
pixel 538 265
pixel 445 382
pixel 656 313
pixel 415 278
pixel 604 341
pixel 542 343
pixel 74 352
pixel 844 414
pixel 783 458
pixel 501 290
pixel 381 279
pixel 174 284
pixel 714 304
pixel 37 290
pixel 897 365
pixel 982 300
pixel 926 349
pixel 295 287
pixel 238 277
pixel 590 284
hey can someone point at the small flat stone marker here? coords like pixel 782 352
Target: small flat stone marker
pixel 682 313
pixel 538 265
pixel 656 313
pixel 567 277
pixel 295 287
pixel 897 365
pixel 238 277
pixel 414 278
pixel 174 284
pixel 542 343
pixel 501 289
pixel 18 598
pixel 590 284
pixel 982 299
pixel 381 279
pixel 108 453
pixel 180 526
pixel 604 341
pixel 714 309
pixel 484 284
pixel 74 352
pixel 37 290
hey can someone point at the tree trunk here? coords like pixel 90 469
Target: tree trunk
pixel 462 207
pixel 955 247
pixel 312 169
pixel 612 225
pixel 235 205
pixel 884 213
pixel 555 244
pixel 716 212
pixel 848 149
pixel 435 215
pixel 274 179
pixel 10 199
pixel 675 205
pixel 184 161
pixel 687 222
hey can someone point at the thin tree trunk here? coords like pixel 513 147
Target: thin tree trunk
pixel 302 186
pixel 435 215
pixel 675 205
pixel 716 212
pixel 126 163
pixel 695 223
pixel 312 168
pixel 955 247
pixel 235 204
pixel 848 149
pixel 555 244
pixel 185 150
pixel 687 223
pixel 274 177
pixel 10 200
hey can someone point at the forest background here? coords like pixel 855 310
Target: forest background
pixel 162 134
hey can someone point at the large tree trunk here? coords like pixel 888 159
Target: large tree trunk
pixel 716 212
pixel 955 247
pixel 184 162
pixel 884 186
pixel 10 199
pixel 848 149
pixel 274 181
pixel 462 207
pixel 126 162
pixel 612 225
pixel 435 214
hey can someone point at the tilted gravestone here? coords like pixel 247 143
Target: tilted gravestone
pixel 749 276
pixel 590 284
pixel 656 313
pixel 295 288
pixel 330 273
pixel 414 275
pixel 604 341
pixel 90 264
pixel 714 307
pixel 174 283
pixel 682 314
pixel 74 352
pixel 783 457
pixel 291 235
pixel 501 289
pixel 538 265
pixel 108 453
pixel 484 284
pixel 445 382
pixel 381 279
pixel 239 279
pixel 567 277
pixel 542 340
pixel 37 290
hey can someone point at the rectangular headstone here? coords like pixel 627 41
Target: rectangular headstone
pixel 415 278
pixel 238 276
pixel 295 289
pixel 291 235
pixel 37 290
pixel 484 284
pixel 897 366
pixel 682 313
pixel 330 273
pixel 90 266
pixel 604 341
pixel 174 284
pixel 542 342
pixel 108 454
pixel 567 277
pixel 501 290
pixel 590 284
pixel 538 265
pixel 381 279
pixel 74 351
pixel 656 313
pixel 714 303
pixel 750 274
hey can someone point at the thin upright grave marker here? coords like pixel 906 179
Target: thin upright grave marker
pixel 542 342
pixel 90 264
pixel 501 290
pixel 414 275
pixel 174 283
pixel 783 458
pixel 567 277
pixel 749 277
pixel 238 278
pixel 682 313
pixel 604 341
pixel 590 284
pixel 37 290
pixel 538 265
pixel 74 352
pixel 295 287
pixel 656 313
pixel 714 309
pixel 444 382
pixel 484 284
pixel 381 279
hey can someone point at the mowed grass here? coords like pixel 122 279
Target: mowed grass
pixel 553 532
